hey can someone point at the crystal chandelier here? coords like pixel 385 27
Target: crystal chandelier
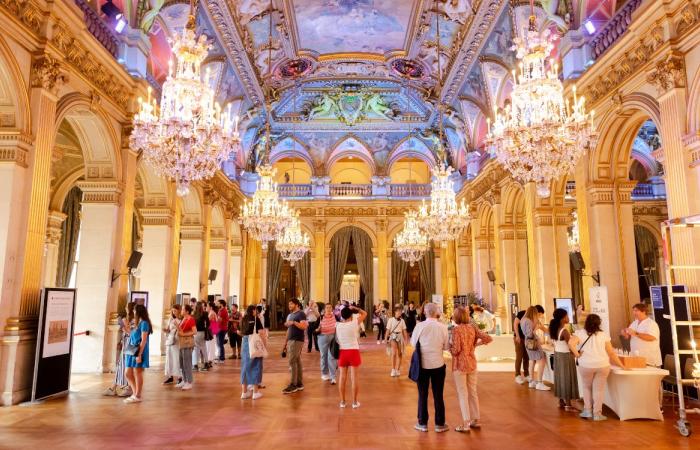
pixel 294 243
pixel 265 217
pixel 190 137
pixel 443 219
pixel 540 137
pixel 411 243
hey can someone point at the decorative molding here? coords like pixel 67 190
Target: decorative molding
pixel 100 191
pixel 690 15
pixel 27 12
pixel 319 225
pixel 54 228
pixel 156 216
pixel 624 191
pixel 668 74
pixel 47 73
pixel 381 224
pixel 192 232
pixel 600 193
pixel 15 147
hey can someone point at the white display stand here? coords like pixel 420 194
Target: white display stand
pixel 634 394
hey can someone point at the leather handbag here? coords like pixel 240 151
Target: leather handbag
pixel 414 368
pixel 186 341
pixel 335 348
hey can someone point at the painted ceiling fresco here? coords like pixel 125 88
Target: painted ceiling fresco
pixel 322 71
pixel 338 26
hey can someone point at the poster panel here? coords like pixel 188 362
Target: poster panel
pixel 58 323
pixel 438 300
pixel 599 305
pixel 139 297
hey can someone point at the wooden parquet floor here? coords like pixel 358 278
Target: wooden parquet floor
pixel 212 415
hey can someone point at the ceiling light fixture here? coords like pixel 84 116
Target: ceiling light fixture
pixel 539 137
pixel 189 137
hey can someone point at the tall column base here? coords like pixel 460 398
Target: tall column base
pixel 17 359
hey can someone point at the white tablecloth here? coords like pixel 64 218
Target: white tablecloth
pixel 634 394
pixel 501 347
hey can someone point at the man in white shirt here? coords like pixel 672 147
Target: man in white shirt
pixel 644 334
pixel 433 338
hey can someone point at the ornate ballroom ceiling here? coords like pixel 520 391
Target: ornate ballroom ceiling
pixel 363 74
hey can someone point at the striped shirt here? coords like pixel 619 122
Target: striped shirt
pixel 328 324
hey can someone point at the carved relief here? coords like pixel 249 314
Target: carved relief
pixel 668 74
pixel 47 73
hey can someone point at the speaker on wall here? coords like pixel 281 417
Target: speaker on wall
pixel 491 275
pixel 577 261
pixel 134 260
pixel 212 274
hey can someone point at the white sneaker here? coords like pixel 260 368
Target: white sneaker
pixel 519 379
pixel 398 374
pixel 528 378
pixel 180 384
pixel 246 395
pixel 257 395
pixel 393 372
pixel 186 387
pixel 542 387
pixel 342 404
pixel 355 405
pixel 378 342
pixel 532 384
pixel 250 387
pixel 325 377
pixel 332 380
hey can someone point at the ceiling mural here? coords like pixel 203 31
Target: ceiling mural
pixel 348 26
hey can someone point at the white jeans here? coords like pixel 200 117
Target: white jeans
pixel 468 397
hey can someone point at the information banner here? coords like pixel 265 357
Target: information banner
pixel 437 299
pixel 54 343
pixel 599 305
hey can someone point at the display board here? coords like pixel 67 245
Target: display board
pixel 660 302
pixel 54 343
pixel 599 305
pixel 566 304
pixel 183 299
pixel 139 297
pixel 437 299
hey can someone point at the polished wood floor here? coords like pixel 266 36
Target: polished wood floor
pixel 212 415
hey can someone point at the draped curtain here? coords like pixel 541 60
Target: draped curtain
pixel 647 248
pixel 303 269
pixel 340 244
pixel 70 230
pixel 427 273
pixel 362 245
pixel 399 268
pixel 274 272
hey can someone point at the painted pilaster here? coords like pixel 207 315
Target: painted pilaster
pixel 382 262
pixel 190 259
pixel 236 257
pixel 205 250
pixel 319 259
pixel 53 238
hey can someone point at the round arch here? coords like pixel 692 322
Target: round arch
pixel 58 196
pixel 14 87
pixel 513 204
pixel 421 151
pixel 362 226
pixel 156 189
pixel 192 207
pixel 98 138
pixel 340 150
pixel 611 156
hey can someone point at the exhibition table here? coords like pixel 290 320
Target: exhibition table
pixel 634 394
pixel 500 348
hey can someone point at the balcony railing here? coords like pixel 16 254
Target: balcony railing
pixel 642 191
pixel 615 28
pixel 98 28
pixel 409 190
pixel 294 190
pixel 350 190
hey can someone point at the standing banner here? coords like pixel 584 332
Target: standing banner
pixel 438 300
pixel 599 305
pixel 54 343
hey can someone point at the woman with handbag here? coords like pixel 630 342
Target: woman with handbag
pixel 187 329
pixel 251 367
pixel 120 387
pixel 594 352
pixel 565 380
pixel 530 323
pixel 172 348
pixel 396 339
pixel 137 352
pixel 202 320
pixel 465 338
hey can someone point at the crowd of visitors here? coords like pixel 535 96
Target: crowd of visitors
pixel 196 334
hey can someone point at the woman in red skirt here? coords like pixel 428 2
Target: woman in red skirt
pixel 347 333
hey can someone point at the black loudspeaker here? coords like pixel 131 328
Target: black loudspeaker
pixel 491 275
pixel 134 260
pixel 577 261
pixel 212 274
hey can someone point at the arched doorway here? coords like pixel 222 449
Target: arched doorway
pixel 351 250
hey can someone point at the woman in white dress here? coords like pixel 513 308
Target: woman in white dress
pixel 172 348
pixel 396 338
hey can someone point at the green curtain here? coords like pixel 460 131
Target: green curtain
pixel 303 269
pixel 427 273
pixel 647 249
pixel 70 231
pixel 274 272
pixel 338 258
pixel 362 245
pixel 399 268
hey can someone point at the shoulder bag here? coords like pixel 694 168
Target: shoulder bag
pixel 256 345
pixel 132 348
pixel 335 348
pixel 186 341
pixel 414 368
pixel 584 343
pixel 531 342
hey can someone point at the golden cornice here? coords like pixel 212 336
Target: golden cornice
pixel 354 56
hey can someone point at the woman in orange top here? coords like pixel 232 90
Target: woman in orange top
pixel 465 338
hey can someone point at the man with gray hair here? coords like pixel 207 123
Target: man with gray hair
pixel 432 335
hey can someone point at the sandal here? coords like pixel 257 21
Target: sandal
pixel 462 429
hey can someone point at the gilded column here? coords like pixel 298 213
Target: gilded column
pixel 498 293
pixel 207 207
pixel 226 275
pixel 53 238
pixel 383 267
pixel 448 261
pixel 190 259
pixel 319 258
pixel 582 214
pixel 253 269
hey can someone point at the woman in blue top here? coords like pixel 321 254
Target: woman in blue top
pixel 136 362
